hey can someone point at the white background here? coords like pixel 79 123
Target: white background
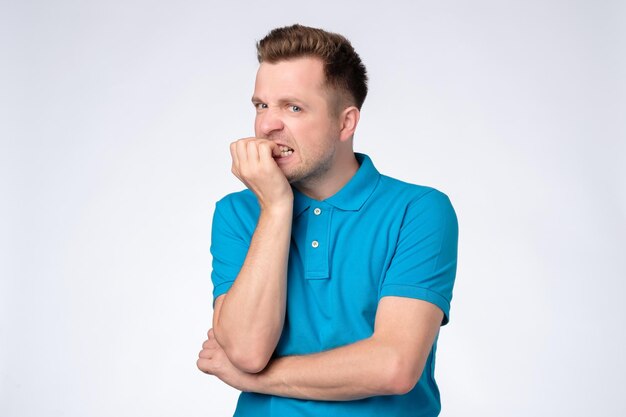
pixel 115 122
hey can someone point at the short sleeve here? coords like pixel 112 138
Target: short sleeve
pixel 424 263
pixel 229 247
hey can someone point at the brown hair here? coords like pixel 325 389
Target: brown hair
pixel 343 68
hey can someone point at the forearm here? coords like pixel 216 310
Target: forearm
pixel 366 368
pixel 252 313
pixel 390 362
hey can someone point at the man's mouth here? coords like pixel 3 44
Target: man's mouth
pixel 284 151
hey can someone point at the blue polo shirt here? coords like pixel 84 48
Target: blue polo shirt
pixel 376 237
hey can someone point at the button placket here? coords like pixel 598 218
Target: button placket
pixel 316 263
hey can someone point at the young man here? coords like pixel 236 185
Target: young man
pixel 331 281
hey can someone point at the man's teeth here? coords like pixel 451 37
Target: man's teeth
pixel 285 151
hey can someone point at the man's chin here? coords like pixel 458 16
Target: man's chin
pixel 292 177
pixel 292 174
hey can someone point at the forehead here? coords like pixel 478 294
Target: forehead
pixel 300 76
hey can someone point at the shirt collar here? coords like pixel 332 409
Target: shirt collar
pixel 353 195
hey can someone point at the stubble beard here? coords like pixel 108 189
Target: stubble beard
pixel 308 176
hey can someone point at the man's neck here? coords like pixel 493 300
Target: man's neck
pixel 333 180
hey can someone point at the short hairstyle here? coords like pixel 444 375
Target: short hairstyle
pixel 343 68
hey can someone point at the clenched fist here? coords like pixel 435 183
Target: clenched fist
pixel 213 361
pixel 254 165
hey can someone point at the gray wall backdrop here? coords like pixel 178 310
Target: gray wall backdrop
pixel 115 122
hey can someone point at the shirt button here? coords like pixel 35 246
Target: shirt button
pixel 317 211
pixel 315 243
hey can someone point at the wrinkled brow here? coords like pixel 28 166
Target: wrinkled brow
pixel 286 99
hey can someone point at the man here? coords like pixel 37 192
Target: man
pixel 331 281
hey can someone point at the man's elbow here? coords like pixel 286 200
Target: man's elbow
pixel 403 385
pixel 401 377
pixel 247 361
pixel 243 357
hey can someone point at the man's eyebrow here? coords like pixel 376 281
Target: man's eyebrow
pixel 288 99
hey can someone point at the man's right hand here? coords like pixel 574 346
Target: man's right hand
pixel 254 165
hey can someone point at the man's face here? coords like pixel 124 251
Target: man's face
pixel 292 110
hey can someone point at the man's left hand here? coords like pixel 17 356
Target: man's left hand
pixel 212 360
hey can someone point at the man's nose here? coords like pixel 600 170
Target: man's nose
pixel 269 121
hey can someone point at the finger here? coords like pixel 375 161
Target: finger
pixel 266 151
pixel 233 154
pixel 252 148
pixel 211 334
pixel 210 344
pixel 204 365
pixel 205 354
pixel 235 167
pixel 242 153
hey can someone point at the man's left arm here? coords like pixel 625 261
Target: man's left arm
pixel 390 362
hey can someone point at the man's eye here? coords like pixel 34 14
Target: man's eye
pixel 295 109
pixel 260 106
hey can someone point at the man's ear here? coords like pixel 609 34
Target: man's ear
pixel 348 120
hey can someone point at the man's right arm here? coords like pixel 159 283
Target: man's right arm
pixel 248 320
